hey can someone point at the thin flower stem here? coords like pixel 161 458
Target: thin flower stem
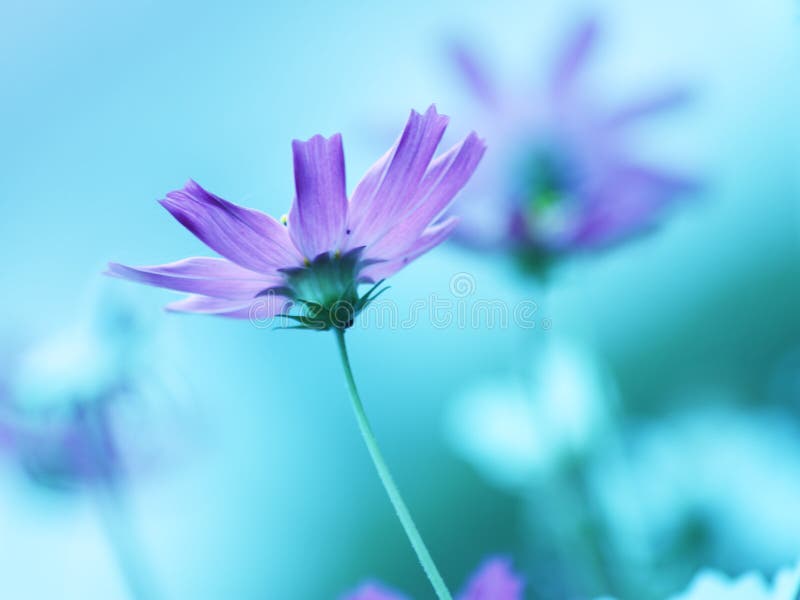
pixel 123 544
pixel 111 508
pixel 400 507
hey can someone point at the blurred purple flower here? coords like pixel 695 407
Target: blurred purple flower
pixel 327 245
pixel 60 449
pixel 67 402
pixel 560 178
pixel 494 580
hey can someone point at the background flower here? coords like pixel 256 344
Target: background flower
pixel 692 486
pixel 712 585
pixel 563 175
pixel 494 580
pixel 520 427
pixel 708 585
pixel 81 408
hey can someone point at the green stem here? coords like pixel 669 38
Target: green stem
pixel 400 507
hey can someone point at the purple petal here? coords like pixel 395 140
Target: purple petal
pixel 317 218
pixel 474 74
pixel 388 188
pixel 8 435
pixel 574 57
pixel 65 448
pixel 87 449
pixel 447 175
pixel 207 276
pixel 430 238
pixel 631 203
pixel 494 580
pixel 257 309
pixel 373 591
pixel 663 101
pixel 247 237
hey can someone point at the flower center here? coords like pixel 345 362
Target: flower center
pixel 327 290
pixel 546 193
pixel 545 186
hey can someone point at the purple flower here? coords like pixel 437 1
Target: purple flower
pixel 561 178
pixel 318 255
pixel 63 449
pixel 494 580
pixel 66 402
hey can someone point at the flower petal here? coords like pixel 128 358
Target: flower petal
pixel 8 435
pixel 664 101
pixel 475 75
pixel 373 591
pixel 431 237
pixel 208 276
pixel 206 267
pixel 574 57
pixel 319 211
pixel 447 175
pixel 247 237
pixel 494 581
pixel 631 202
pixel 388 188
pixel 259 310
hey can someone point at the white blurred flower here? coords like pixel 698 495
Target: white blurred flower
pixel 711 585
pixel 737 469
pixel 512 428
pixel 73 362
pixel 82 361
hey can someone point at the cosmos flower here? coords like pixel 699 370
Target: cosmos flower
pixel 63 409
pixel 70 419
pixel 317 256
pixel 560 177
pixel 494 580
pixel 328 245
pixel 63 449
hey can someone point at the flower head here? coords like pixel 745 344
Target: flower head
pixel 62 410
pixel 60 449
pixel 560 177
pixel 494 580
pixel 317 256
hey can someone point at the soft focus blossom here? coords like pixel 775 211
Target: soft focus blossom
pixel 494 580
pixel 76 446
pixel 328 244
pixel 61 414
pixel 705 481
pixel 561 176
pixel 512 428
pixel 711 585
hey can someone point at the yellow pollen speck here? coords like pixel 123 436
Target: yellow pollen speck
pixel 306 262
pixel 284 219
